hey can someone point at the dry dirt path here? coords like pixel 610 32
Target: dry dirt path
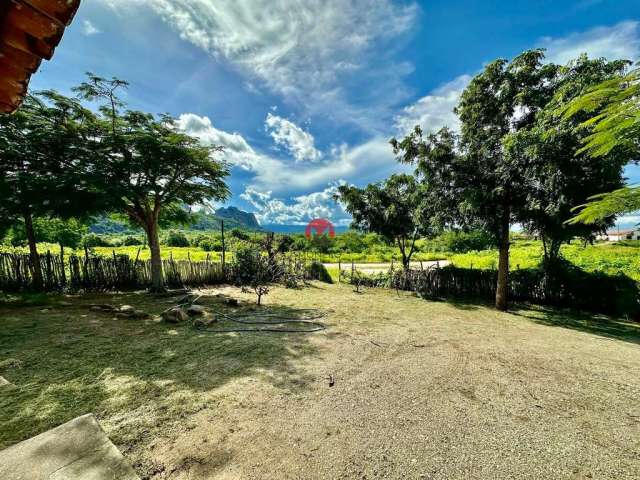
pixel 423 391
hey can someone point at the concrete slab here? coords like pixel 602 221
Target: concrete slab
pixel 77 450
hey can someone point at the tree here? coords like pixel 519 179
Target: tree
pixel 557 171
pixel 41 146
pixel 148 168
pixel 479 185
pixel 612 110
pixel 395 209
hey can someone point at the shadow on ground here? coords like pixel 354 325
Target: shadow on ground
pixel 66 361
pixel 594 324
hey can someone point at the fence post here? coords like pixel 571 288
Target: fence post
pixel 223 246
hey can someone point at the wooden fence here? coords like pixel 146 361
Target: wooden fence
pixel 570 288
pixel 98 273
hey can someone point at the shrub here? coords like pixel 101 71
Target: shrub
pixel 317 271
pixel 176 239
pixel 462 242
pixel 92 240
pixel 132 241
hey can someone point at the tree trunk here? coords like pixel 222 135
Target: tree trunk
pixel 36 269
pixel 157 277
pixel 502 289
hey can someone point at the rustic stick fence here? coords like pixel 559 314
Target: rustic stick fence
pixel 577 289
pixel 98 273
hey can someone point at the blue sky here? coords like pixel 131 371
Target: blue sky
pixel 305 94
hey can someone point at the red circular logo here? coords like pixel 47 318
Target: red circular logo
pixel 318 227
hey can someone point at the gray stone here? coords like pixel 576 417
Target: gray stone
pixel 204 322
pixel 4 382
pixel 195 310
pixel 175 315
pixel 78 449
pixel 139 314
pixel 127 309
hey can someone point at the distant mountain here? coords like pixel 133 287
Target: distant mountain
pixel 232 216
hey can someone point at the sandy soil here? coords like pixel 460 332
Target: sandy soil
pixel 422 391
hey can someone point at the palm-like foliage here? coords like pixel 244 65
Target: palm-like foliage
pixel 616 124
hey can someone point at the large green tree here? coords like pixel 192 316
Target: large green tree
pixel 395 209
pixel 42 146
pixel 147 168
pixel 558 172
pixel 479 185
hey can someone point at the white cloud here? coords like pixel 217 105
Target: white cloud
pixel 88 28
pixel 302 50
pixel 621 41
pixel 435 110
pixel 295 140
pixel 369 161
pixel 300 209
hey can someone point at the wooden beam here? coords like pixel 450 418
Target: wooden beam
pixel 26 60
pixel 61 10
pixel 34 22
pixel 21 40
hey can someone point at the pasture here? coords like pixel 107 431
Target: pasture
pixel 419 389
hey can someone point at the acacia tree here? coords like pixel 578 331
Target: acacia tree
pixel 42 145
pixel 147 168
pixel 394 209
pixel 612 110
pixel 558 172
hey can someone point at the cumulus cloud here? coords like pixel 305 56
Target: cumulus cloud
pixel 298 210
pixel 368 161
pixel 295 140
pixel 434 111
pixel 88 28
pixel 613 42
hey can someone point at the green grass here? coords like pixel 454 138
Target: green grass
pixel 609 258
pixel 65 361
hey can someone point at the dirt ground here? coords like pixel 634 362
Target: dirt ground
pixel 422 390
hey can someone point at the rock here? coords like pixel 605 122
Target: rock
pixel 65 304
pixel 103 308
pixel 77 449
pixel 204 322
pixel 44 310
pixel 232 302
pixel 139 314
pixel 4 382
pixel 175 315
pixel 127 309
pixel 96 308
pixel 195 310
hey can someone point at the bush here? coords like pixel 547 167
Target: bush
pixel 176 239
pixel 131 241
pixel 92 240
pixel 462 242
pixel 317 271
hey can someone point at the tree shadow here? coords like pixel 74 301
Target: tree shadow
pixel 595 324
pixel 144 373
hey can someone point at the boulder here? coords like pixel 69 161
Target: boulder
pixel 127 309
pixel 4 382
pixel 195 310
pixel 79 449
pixel 140 315
pixel 204 322
pixel 232 302
pixel 175 315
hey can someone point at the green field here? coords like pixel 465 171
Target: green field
pixel 610 258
